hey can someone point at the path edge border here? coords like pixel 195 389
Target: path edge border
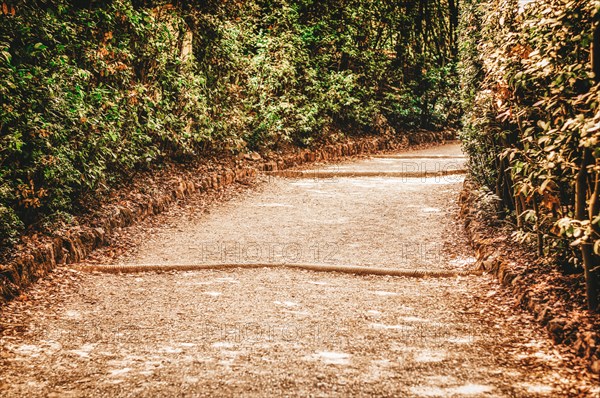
pixel 490 253
pixel 37 257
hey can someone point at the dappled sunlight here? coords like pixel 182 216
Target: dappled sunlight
pixel 429 356
pixel 390 327
pixel 330 358
pixel 464 390
pixel 471 389
pixel 536 388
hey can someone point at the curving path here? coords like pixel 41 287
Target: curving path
pixel 281 332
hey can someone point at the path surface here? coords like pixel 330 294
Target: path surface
pixel 281 332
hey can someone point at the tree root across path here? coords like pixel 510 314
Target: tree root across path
pixel 409 156
pixel 346 269
pixel 338 174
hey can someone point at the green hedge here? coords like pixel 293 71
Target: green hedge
pixel 91 90
pixel 532 126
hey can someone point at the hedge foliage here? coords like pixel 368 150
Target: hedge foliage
pixel 532 123
pixel 91 90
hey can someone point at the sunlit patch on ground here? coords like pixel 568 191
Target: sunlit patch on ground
pixel 273 205
pixel 472 389
pixel 461 340
pixel 536 388
pixel 428 391
pixel 319 283
pixel 414 319
pixel 85 350
pixel 331 358
pixel 171 350
pixel 73 314
pixel 384 293
pixel 226 280
pixel 222 344
pixel 228 357
pixel 464 390
pixel 539 355
pixel 429 356
pixel 392 327
pixel 119 372
pixel 286 303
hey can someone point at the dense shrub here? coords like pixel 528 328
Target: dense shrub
pixel 91 90
pixel 532 125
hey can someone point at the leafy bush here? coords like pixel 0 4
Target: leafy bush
pixel 90 91
pixel 532 122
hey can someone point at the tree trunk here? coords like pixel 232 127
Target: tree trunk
pixel 453 8
pixel 590 260
pixel 593 266
pixel 595 53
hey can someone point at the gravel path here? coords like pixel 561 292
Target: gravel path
pixel 280 332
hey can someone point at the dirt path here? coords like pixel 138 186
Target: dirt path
pixel 278 332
